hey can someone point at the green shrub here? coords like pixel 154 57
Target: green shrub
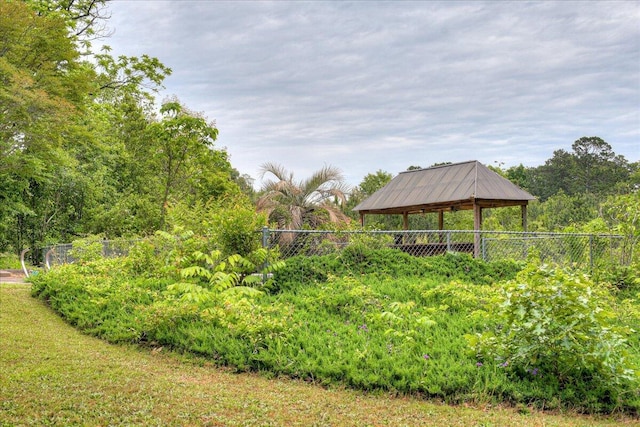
pixel 231 225
pixel 370 240
pixel 303 271
pixel 626 278
pixel 236 226
pixel 10 261
pixel 558 327
pixel 220 273
pixel 462 297
pixel 359 259
pixel 362 259
pixel 87 249
pixel 144 259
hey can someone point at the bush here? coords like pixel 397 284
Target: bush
pixel 10 261
pixel 87 249
pixel 359 259
pixel 231 224
pixel 626 278
pixel 559 328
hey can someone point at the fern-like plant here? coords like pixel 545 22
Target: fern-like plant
pixel 221 273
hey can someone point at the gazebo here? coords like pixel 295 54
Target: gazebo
pixel 446 188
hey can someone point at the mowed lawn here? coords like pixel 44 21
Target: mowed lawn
pixel 50 374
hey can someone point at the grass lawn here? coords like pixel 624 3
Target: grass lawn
pixel 50 374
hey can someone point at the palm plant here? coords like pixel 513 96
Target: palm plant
pixel 293 205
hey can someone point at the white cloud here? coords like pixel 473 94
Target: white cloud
pixel 384 85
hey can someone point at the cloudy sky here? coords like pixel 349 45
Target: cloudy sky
pixel 385 85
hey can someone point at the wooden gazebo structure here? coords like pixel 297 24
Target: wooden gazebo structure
pixel 446 188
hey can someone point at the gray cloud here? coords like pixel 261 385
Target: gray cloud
pixel 384 85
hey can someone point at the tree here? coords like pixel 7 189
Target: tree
pixel 599 170
pixel 373 182
pixel 592 168
pixel 85 18
pixel 44 88
pixel 622 215
pixel 121 113
pixel 561 210
pixel 293 205
pixel 42 84
pixel 129 76
pixel 555 175
pixel 81 148
pixel 520 176
pixel 188 166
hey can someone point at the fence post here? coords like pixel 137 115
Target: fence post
pixel 484 249
pixel 265 237
pixel 591 253
pixel 265 245
pixel 448 241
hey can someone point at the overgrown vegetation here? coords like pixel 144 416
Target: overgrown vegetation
pixel 9 261
pixel 560 329
pixel 372 319
pixel 52 375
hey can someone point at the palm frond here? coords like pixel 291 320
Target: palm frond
pixel 335 213
pixel 292 204
pixel 328 176
pixel 276 170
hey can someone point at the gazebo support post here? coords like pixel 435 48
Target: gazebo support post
pixel 477 226
pixel 441 225
pixel 405 226
pixel 361 219
pixel 523 208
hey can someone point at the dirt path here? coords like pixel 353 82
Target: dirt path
pixel 11 276
pixel 50 374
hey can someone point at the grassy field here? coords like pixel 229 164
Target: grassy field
pixel 50 374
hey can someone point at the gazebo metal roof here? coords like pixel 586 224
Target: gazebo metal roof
pixel 457 186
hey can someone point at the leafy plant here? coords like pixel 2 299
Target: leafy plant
pixel 87 249
pixel 222 273
pixel 404 321
pixel 400 330
pixel 231 223
pixel 292 204
pixel 143 259
pixel 461 296
pixel 9 260
pixel 559 325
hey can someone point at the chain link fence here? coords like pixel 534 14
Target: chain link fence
pixel 560 248
pixel 65 253
pixel 585 250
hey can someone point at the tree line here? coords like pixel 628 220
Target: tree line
pixel 85 149
pixel 572 189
